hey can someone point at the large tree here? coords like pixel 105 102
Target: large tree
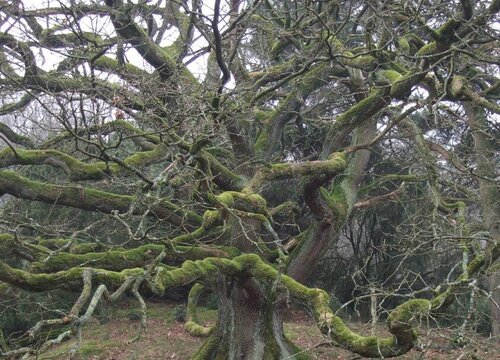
pixel 227 144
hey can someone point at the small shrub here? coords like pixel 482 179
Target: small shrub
pixel 482 316
pixel 458 340
pixel 134 315
pixel 179 313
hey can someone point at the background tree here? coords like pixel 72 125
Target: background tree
pixel 229 144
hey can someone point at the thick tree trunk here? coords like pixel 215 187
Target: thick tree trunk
pixel 249 324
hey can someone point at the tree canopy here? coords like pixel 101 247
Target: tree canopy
pixel 149 145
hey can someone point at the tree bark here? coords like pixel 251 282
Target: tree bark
pixel 249 324
pixel 489 196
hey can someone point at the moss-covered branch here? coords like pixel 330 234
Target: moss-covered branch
pixel 355 116
pixel 161 59
pixel 68 279
pixel 221 175
pixel 120 259
pixel 77 169
pixel 459 88
pixel 11 245
pixel 335 164
pixel 11 108
pixel 92 200
pixel 192 325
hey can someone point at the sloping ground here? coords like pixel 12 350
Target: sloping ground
pixel 166 339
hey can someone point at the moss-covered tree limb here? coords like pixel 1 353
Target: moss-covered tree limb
pixel 120 259
pixel 93 200
pixel 11 108
pixel 80 170
pixel 11 245
pixel 14 137
pixel 398 86
pixel 68 279
pixel 221 175
pixel 25 52
pixel 335 164
pixel 459 88
pixel 128 72
pixel 158 57
pixel 193 325
pixel 355 116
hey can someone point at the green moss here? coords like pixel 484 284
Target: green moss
pixel 208 349
pixel 111 260
pixel 193 323
pixel 88 349
pixel 68 279
pixel 429 49
pixel 457 85
pixel 226 198
pixel 360 61
pixel 192 271
pixel 391 75
pixel 404 45
pixel 140 159
pixel 445 33
pixel 257 202
pixel 262 140
pixel 89 199
pixel 358 113
pixel 262 116
pixel 244 200
pixel 6 238
pixel 198 330
pixel 402 316
pixel 112 64
pixel 336 201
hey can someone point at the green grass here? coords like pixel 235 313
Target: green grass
pixel 87 349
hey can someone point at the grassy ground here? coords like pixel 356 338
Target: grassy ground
pixel 166 339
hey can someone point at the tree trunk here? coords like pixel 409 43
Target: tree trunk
pixel 250 321
pixel 249 324
pixel 489 195
pixel 494 283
